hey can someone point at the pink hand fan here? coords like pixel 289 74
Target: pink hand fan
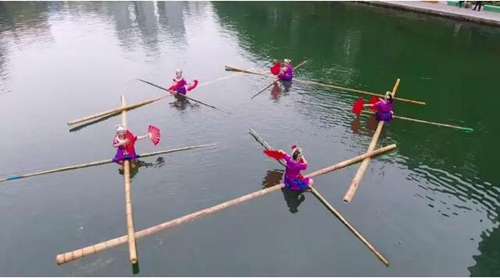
pixel 155 134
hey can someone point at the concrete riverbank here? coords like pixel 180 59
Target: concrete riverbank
pixel 443 10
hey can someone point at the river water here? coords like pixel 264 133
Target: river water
pixel 431 206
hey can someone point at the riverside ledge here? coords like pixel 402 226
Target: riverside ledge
pixel 441 9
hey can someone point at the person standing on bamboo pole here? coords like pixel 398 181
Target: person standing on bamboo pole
pixel 284 72
pixel 180 85
pixel 124 141
pixel 295 163
pixel 384 108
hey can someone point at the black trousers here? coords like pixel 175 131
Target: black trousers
pixel 478 4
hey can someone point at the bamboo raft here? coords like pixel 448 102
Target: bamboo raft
pixel 86 251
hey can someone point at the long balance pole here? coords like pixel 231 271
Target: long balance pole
pixel 100 162
pixel 80 253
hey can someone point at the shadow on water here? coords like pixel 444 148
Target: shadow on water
pixel 181 103
pixel 135 165
pixel 292 198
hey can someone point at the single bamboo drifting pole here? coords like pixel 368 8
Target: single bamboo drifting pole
pixel 229 68
pixel 128 199
pixel 100 162
pixel 80 253
pixel 115 111
pixel 362 168
pixel 327 205
pixel 351 228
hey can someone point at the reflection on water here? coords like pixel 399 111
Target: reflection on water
pixel 181 103
pixel 292 198
pixel 450 178
pixel 172 20
pixel 135 165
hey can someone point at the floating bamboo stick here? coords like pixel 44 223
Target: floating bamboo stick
pixel 327 205
pixel 128 198
pixel 100 162
pixel 77 254
pixel 114 111
pixel 362 168
pixel 229 68
pixel 349 226
pixel 277 79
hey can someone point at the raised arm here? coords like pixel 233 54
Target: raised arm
pixel 147 135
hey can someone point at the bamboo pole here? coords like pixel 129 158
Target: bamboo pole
pixel 349 226
pixel 128 198
pixel 229 68
pixel 327 205
pixel 131 106
pixel 100 162
pixel 362 168
pixel 467 129
pixel 77 254
pixel 192 99
pixel 276 80
pixel 114 111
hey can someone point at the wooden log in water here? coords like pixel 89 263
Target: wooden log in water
pixel 128 198
pixel 362 168
pixel 77 254
pixel 100 162
pixel 229 68
pixel 114 111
